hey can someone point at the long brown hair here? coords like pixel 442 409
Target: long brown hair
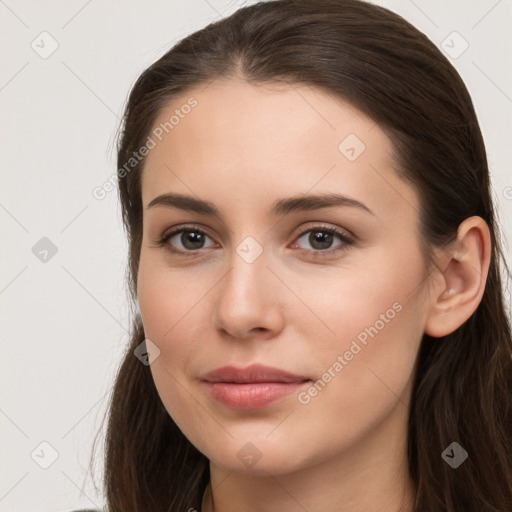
pixel 381 64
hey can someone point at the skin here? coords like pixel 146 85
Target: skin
pixel 242 148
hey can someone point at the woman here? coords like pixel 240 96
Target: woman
pixel 315 256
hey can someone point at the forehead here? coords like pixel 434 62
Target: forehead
pixel 259 142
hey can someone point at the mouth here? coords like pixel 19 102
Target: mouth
pixel 253 387
pixel 256 373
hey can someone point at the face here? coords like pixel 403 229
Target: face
pixel 332 293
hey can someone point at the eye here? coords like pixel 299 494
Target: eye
pixel 188 241
pixel 321 239
pixel 191 240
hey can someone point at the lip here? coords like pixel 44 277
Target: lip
pixel 254 373
pixel 252 387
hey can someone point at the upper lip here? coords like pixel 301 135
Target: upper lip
pixel 250 374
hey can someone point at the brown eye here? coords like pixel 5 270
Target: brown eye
pixel 321 240
pixel 185 240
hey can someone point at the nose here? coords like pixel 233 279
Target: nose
pixel 248 300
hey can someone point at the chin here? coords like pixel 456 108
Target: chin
pixel 255 455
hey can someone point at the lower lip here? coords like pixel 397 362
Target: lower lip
pixel 252 396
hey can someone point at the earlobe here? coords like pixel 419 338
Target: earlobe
pixel 463 278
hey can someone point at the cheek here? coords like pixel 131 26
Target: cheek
pixel 166 306
pixel 169 304
pixel 362 382
pixel 174 309
pixel 365 367
pixel 375 295
pixel 167 298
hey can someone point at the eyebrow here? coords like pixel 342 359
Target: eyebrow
pixel 279 207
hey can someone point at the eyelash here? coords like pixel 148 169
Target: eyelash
pixel 315 253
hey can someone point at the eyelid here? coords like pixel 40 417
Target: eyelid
pixel 347 237
pixel 164 238
pixel 320 226
pixel 185 227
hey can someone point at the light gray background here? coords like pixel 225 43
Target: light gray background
pixel 64 321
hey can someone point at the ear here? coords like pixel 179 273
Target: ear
pixel 462 280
